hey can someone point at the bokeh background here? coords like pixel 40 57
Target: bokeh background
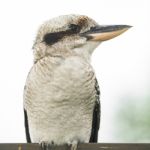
pixel 122 65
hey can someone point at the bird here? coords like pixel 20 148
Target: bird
pixel 61 97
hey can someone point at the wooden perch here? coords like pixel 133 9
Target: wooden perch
pixel 87 146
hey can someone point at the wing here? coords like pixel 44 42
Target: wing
pixel 96 116
pixel 27 127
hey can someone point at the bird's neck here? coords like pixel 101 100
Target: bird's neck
pixel 86 50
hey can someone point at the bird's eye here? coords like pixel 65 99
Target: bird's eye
pixel 75 28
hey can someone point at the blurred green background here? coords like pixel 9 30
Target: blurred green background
pixel 132 119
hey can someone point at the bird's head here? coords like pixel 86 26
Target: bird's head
pixel 72 34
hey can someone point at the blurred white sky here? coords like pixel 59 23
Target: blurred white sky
pixel 122 65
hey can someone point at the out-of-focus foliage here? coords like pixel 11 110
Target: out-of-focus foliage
pixel 132 120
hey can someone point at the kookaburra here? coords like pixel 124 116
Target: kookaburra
pixel 61 95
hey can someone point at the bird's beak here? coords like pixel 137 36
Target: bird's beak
pixel 103 33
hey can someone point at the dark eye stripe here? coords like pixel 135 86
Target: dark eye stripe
pixel 51 38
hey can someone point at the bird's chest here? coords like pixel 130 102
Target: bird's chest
pixel 73 79
pixel 64 101
pixel 72 82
